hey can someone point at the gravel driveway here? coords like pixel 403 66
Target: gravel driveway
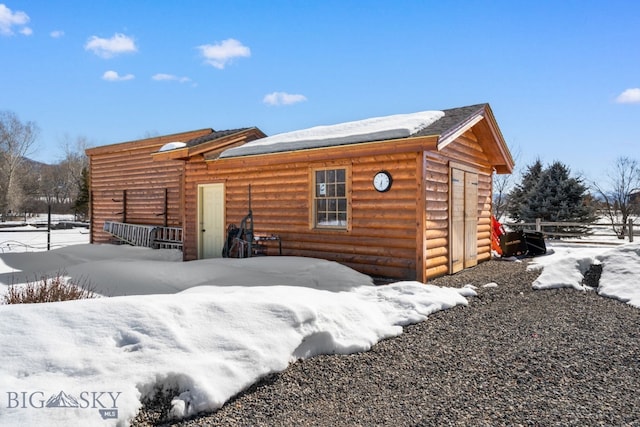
pixel 512 357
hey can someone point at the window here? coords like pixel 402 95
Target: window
pixel 330 198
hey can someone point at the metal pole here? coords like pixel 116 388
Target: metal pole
pixel 250 231
pixel 124 206
pixel 49 228
pixel 166 207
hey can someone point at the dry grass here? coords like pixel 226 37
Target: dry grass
pixel 48 289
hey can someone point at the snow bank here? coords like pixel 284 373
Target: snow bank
pixel 621 274
pixel 620 277
pixel 235 321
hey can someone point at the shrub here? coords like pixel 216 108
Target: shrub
pixel 49 290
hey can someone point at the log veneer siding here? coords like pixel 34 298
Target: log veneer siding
pixel 404 233
pixel 128 170
pixel 387 234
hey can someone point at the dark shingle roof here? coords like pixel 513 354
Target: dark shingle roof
pixel 213 135
pixel 453 119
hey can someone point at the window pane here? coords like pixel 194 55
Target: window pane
pixel 342 218
pixel 330 198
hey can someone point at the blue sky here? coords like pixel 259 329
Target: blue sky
pixel 562 77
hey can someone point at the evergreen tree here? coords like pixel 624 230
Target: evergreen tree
pixel 552 195
pixel 518 196
pixel 81 204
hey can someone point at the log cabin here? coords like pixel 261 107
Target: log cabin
pixel 404 197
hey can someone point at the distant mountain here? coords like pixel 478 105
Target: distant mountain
pixel 33 163
pixel 62 400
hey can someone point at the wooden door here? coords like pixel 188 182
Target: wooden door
pixel 457 220
pixel 464 220
pixel 470 219
pixel 211 220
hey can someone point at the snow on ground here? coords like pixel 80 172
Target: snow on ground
pixel 29 238
pixel 210 328
pixel 567 266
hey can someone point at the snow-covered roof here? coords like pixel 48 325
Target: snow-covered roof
pixel 172 146
pixel 373 129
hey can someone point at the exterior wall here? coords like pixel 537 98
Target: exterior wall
pixel 195 173
pixel 403 233
pixel 130 166
pixel 466 153
pixel 380 239
pixel 437 216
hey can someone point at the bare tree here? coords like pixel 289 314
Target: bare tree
pixel 502 185
pixel 30 178
pixel 53 185
pixel 623 181
pixel 61 183
pixel 17 139
pixel 74 166
pixel 74 155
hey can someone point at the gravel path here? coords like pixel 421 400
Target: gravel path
pixel 512 357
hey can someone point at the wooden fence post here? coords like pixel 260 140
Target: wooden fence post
pixel 630 229
pixel 538 226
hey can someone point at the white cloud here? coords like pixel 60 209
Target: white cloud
pixel 107 48
pixel 283 98
pixel 56 34
pixel 629 96
pixel 8 19
pixel 219 54
pixel 113 76
pixel 170 77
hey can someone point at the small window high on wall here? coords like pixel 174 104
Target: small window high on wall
pixel 330 204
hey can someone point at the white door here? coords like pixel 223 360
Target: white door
pixel 211 220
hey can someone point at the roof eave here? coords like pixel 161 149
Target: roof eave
pixel 409 144
pixel 210 148
pixel 500 156
pixel 175 154
pixel 146 143
pixel 452 134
